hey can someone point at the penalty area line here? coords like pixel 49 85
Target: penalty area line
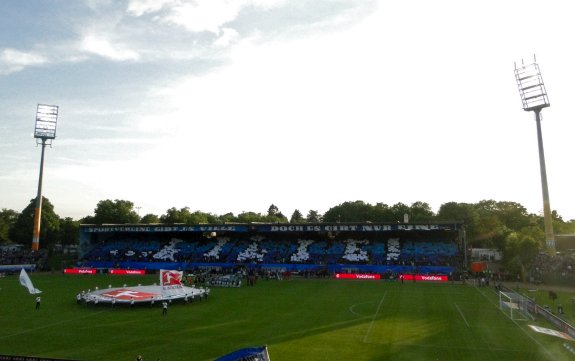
pixel 373 318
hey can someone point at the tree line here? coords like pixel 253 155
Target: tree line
pixel 503 225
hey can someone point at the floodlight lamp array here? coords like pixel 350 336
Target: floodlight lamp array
pixel 531 87
pixel 46 118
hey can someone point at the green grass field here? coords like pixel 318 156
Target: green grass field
pixel 298 319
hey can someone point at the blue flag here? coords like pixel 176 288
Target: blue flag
pixel 247 354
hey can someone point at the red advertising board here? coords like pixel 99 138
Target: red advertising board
pixel 137 272
pixel 425 278
pixel 358 276
pixel 80 271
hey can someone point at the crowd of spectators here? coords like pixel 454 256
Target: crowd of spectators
pixel 14 255
pixel 260 250
pixel 552 268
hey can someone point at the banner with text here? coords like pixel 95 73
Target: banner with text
pixel 425 278
pixel 357 276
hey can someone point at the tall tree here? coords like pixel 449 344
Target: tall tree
pixel 69 230
pixel 313 217
pixel 8 218
pixel 381 213
pixel 465 212
pixel 117 211
pixel 420 212
pixel 273 210
pixel 520 251
pixel 512 214
pixel 399 210
pixel 22 230
pixel 297 217
pixel 490 231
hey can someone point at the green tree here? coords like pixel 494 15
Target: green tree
pixel 381 213
pixel 150 219
pixel 201 217
pixel 87 220
pixel 520 251
pixel 297 217
pixel 116 212
pixel 23 228
pixel 313 217
pixel 420 212
pixel 490 231
pixel 273 210
pixel 69 230
pixel 174 215
pixel 512 214
pixel 357 211
pixel 398 210
pixel 8 218
pixel 228 218
pixel 249 217
pixel 463 212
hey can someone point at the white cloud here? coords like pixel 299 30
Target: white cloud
pixel 208 15
pixel 227 37
pixel 12 60
pixel 102 47
pixel 141 7
pixel 198 15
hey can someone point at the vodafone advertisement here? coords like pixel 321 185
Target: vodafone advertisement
pixel 425 278
pixel 93 271
pixel 406 277
pixel 137 272
pixel 357 276
pixel 80 271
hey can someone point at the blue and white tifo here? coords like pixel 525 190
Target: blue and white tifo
pixel 170 289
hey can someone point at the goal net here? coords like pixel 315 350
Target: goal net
pixel 514 306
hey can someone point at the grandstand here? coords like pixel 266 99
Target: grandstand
pixel 429 248
pixel 13 258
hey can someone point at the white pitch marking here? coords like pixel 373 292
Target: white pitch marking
pixel 373 318
pixel 461 313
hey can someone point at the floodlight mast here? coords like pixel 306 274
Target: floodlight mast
pixel 44 132
pixel 534 98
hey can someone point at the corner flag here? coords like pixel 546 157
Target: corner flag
pixel 27 282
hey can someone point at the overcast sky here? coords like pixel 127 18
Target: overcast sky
pixel 230 106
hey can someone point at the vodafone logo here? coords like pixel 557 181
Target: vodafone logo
pixel 425 278
pixel 357 276
pixel 366 277
pixel 431 278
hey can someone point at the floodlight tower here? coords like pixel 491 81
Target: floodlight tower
pixel 44 132
pixel 534 98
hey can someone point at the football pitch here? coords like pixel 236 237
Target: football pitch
pixel 298 319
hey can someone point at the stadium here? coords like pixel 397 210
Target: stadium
pixel 342 291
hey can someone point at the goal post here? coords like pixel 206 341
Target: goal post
pixel 514 306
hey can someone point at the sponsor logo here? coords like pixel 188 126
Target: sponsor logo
pixel 76 271
pixel 171 278
pixel 425 278
pixel 358 276
pixel 138 272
